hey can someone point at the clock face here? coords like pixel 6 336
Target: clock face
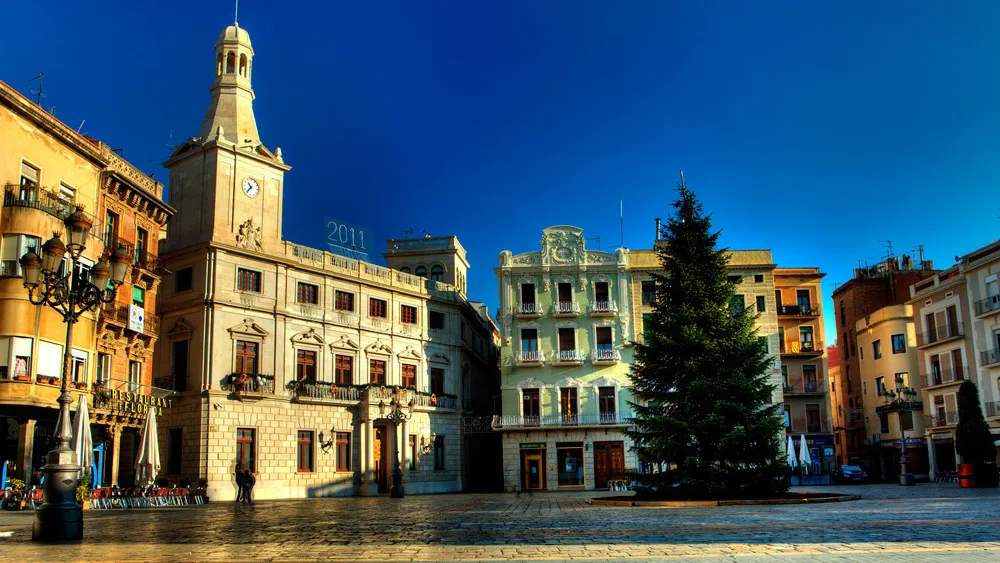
pixel 250 187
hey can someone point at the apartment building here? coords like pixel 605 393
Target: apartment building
pixel 567 332
pixel 944 353
pixel 804 379
pixel 888 360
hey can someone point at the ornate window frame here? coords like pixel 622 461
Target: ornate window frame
pixel 409 355
pixel 440 361
pixel 568 383
pixel 309 340
pixel 344 346
pixel 378 351
pixel 250 331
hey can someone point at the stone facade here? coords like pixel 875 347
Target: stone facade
pixel 289 360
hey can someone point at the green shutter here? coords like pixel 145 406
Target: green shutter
pixel 137 294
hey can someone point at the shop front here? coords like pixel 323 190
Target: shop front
pixel 533 458
pixel 570 465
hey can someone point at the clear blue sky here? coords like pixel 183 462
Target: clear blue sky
pixel 818 130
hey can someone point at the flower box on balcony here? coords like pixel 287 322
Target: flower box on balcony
pixel 22 377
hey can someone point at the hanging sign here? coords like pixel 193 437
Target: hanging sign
pixel 136 318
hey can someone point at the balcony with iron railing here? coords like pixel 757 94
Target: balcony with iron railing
pixel 513 422
pixel 819 427
pixel 992 409
pixel 933 421
pixel 145 260
pixel 798 310
pixel 565 309
pixel 120 314
pixel 802 348
pixel 248 385
pixel 987 306
pixel 528 310
pixel 818 387
pixel 990 358
pixel 943 377
pixel 605 356
pixel 528 358
pixel 940 334
pixel 568 357
pixel 35 197
pixel 323 392
pixel 603 309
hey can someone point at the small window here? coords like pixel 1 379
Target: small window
pixel 344 370
pixel 376 308
pixel 413 453
pixel 103 367
pixel 246 449
pixel 344 301
pixel 29 176
pixel 436 320
pixel 138 296
pixel 183 279
pixel 437 273
pixel 761 304
pixel 67 194
pixel 304 452
pixel 246 357
pixel 439 452
pixel 343 451
pixel 376 372
pixel 648 292
pixel 421 271
pixel 437 381
pixel 407 314
pixel 134 376
pixel 877 350
pixel 405 270
pixel 247 280
pixel 758 278
pixel 305 365
pixel 409 375
pixel 527 294
pixel 307 293
pixel 898 343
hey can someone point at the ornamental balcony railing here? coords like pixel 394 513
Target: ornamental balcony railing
pixel 569 357
pixel 253 385
pixel 798 310
pixel 944 377
pixel 119 313
pixel 806 388
pixel 990 357
pixel 816 427
pixel 35 197
pixel 502 421
pixel 988 305
pixel 605 356
pixel 803 348
pixel 377 393
pixel 565 309
pixel 145 260
pixel 604 308
pixel 529 310
pixel 933 421
pixel 528 358
pixel 940 334
pixel 992 409
pixel 325 390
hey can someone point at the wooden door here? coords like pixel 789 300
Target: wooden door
pixel 609 463
pixel 381 459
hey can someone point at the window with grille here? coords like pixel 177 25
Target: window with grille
pixel 307 293
pixel 247 280
pixel 376 308
pixel 344 301
pixel 409 375
pixel 437 381
pixel 344 370
pixel 304 457
pixel 376 372
pixel 407 314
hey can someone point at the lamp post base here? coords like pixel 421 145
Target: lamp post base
pixel 59 518
pixel 396 490
pixel 906 479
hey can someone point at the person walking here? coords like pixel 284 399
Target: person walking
pixel 240 475
pixel 248 482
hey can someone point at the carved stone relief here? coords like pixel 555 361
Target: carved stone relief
pixel 249 236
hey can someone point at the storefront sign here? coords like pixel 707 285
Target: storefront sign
pixel 130 403
pixel 532 446
pixel 136 318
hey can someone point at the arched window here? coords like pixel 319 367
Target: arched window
pixel 230 63
pixel 437 273
pixel 218 64
pixel 405 270
pixel 243 66
pixel 421 271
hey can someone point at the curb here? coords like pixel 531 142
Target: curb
pixel 826 498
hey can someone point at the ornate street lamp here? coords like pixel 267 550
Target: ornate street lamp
pixel 59 517
pixel 397 413
pixel 902 399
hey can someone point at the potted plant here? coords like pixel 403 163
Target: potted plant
pixel 16 500
pixel 83 491
pixel 22 377
pixel 973 441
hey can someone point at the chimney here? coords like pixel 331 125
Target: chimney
pixel 657 229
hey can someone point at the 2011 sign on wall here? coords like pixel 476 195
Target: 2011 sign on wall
pixel 348 240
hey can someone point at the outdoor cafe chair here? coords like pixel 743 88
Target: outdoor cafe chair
pixel 35 498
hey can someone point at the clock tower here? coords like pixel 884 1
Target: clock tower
pixel 225 184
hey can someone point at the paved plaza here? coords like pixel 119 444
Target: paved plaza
pixel 923 523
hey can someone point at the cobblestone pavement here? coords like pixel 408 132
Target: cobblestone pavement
pixel 891 523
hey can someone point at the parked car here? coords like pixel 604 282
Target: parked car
pixel 849 473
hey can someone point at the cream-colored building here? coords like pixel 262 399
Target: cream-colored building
pixel 286 358
pixel 887 341
pixel 981 269
pixel 797 295
pixel 944 354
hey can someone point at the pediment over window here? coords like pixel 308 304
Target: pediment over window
pixel 410 352
pixel 344 343
pixel 569 382
pixel 530 383
pixel 606 381
pixel 378 347
pixel 438 359
pixel 308 337
pixel 250 327
pixel 181 329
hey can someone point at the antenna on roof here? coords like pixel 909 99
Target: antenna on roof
pixel 407 232
pixel 621 223
pixel 81 126
pixel 39 78
pixel 236 16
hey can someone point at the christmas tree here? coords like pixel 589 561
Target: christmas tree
pixel 704 420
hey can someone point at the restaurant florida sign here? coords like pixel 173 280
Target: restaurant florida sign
pixel 127 402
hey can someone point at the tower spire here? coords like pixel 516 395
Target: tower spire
pixel 236 16
pixel 231 107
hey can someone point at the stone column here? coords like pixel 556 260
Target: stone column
pixel 25 446
pixel 370 485
pixel 116 442
pixel 404 447
pixel 931 458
